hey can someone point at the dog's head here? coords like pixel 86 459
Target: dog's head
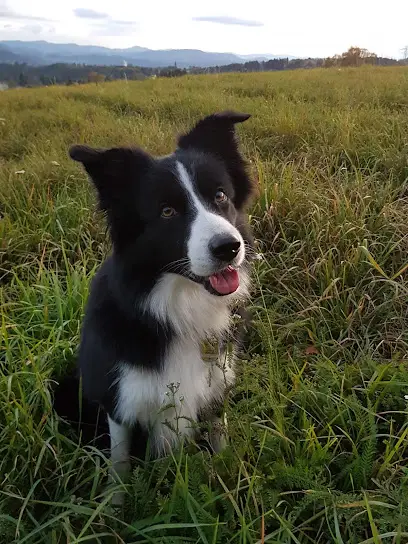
pixel 183 213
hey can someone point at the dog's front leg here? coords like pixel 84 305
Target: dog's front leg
pixel 120 439
pixel 218 432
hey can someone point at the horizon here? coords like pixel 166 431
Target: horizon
pixel 142 48
pixel 290 30
pixel 146 48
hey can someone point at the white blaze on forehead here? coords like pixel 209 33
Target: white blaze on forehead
pixel 188 185
pixel 205 226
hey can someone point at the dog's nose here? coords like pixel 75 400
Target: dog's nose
pixel 224 247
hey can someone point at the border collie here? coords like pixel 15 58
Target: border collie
pixel 179 267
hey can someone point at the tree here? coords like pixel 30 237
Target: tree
pixel 94 77
pixel 356 56
pixel 22 80
pixel 252 66
pixel 101 78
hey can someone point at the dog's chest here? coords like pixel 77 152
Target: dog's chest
pixel 169 402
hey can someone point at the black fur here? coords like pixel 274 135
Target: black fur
pixel 132 188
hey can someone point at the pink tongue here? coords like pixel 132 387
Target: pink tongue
pixel 225 282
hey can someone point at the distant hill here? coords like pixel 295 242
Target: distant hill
pixel 8 55
pixel 264 56
pixel 39 53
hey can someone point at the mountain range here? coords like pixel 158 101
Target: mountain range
pixel 38 53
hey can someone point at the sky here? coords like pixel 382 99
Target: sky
pixel 317 28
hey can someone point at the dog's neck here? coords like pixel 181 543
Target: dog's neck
pixel 189 309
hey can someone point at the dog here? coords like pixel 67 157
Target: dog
pixel 179 268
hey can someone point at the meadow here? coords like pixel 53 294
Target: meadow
pixel 319 416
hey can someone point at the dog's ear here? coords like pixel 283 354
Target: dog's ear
pixel 112 171
pixel 85 154
pixel 215 134
pixel 109 162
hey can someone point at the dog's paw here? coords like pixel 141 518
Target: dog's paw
pixel 118 475
pixel 218 435
pixel 117 501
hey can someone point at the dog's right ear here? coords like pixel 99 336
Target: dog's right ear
pixel 113 171
pixel 215 134
pixel 111 161
pixel 100 162
pixel 84 154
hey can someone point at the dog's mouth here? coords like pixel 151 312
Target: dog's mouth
pixel 225 282
pixel 222 283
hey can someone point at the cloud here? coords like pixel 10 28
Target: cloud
pixel 33 29
pixel 114 28
pixel 102 24
pixel 85 13
pixel 7 13
pixel 227 20
pixel 124 23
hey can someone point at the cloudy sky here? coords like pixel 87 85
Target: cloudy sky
pixel 294 27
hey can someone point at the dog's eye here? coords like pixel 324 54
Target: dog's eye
pixel 220 197
pixel 168 212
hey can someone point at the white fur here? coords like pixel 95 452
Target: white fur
pixel 120 446
pixel 218 433
pixel 167 402
pixel 190 308
pixel 205 226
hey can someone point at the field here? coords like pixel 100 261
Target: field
pixel 319 416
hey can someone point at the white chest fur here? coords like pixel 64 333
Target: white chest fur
pixel 168 402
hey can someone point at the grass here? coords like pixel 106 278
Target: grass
pixel 318 418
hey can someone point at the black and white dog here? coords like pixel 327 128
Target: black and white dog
pixel 178 269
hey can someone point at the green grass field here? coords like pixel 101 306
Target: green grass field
pixel 319 416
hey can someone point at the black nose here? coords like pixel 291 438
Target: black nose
pixel 224 247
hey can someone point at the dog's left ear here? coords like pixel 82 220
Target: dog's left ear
pixel 113 171
pixel 215 134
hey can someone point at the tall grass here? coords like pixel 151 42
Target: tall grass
pixel 318 419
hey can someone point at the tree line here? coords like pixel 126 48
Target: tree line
pixel 24 75
pixel 353 57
